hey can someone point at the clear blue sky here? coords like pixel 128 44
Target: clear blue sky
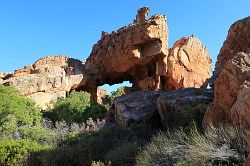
pixel 31 29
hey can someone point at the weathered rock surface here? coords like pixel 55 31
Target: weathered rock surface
pixel 180 102
pixel 129 53
pixel 154 106
pixel 238 40
pixel 101 96
pixel 139 53
pixel 188 64
pixel 134 108
pixel 231 100
pixel 48 79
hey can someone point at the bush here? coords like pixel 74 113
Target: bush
pixel 216 146
pixel 11 151
pixel 21 110
pixel 123 155
pixel 39 134
pixel 120 91
pixel 77 108
pixel 114 144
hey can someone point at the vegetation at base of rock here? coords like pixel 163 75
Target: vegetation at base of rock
pixel 185 115
pixel 23 130
pixel 215 146
pixel 116 145
pixel 120 91
pixel 76 108
pixel 13 150
pixel 16 110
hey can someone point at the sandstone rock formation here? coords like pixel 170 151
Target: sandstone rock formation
pixel 188 64
pixel 129 53
pixel 231 98
pixel 188 103
pixel 238 40
pixel 232 78
pixel 139 53
pixel 47 79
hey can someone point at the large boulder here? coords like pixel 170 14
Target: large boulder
pixel 231 78
pixel 154 107
pixel 188 64
pixel 134 108
pixel 238 40
pixel 179 108
pixel 231 97
pixel 47 79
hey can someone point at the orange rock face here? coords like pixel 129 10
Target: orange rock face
pixel 237 41
pixel 48 79
pixel 232 78
pixel 231 97
pixel 139 53
pixel 188 64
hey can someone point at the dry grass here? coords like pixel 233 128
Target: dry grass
pixel 215 146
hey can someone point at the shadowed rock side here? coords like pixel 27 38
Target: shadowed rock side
pixel 139 53
pixel 47 79
pixel 154 107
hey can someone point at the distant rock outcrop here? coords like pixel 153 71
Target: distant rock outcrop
pixel 231 78
pixel 47 79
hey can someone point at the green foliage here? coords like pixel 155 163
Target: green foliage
pixel 114 144
pixel 120 91
pixel 20 109
pixel 39 134
pixel 77 108
pixel 13 150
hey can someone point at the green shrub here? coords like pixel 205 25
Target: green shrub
pixel 39 134
pixel 112 144
pixel 16 111
pixel 23 109
pixel 77 108
pixel 216 146
pixel 120 91
pixel 13 150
